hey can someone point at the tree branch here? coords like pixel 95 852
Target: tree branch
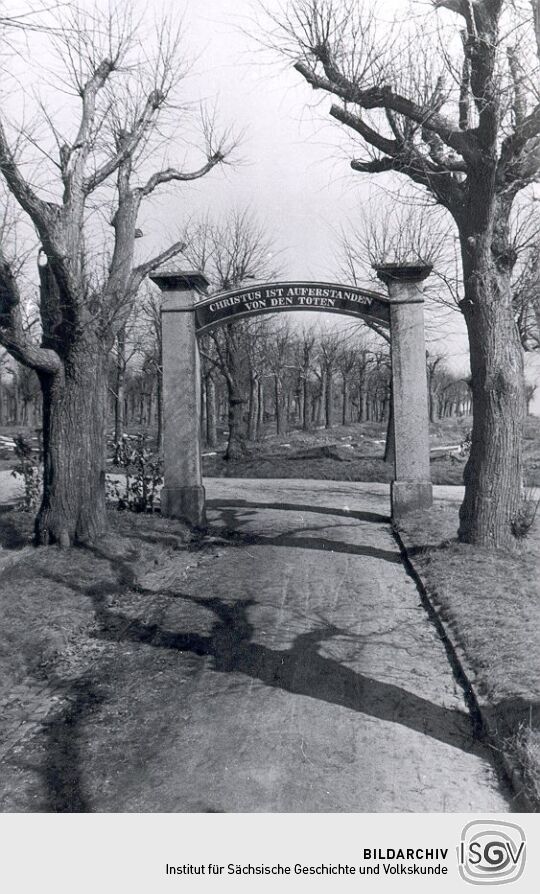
pixel 140 272
pixel 128 144
pixel 355 122
pixel 12 334
pixel 36 208
pixel 376 166
pixel 385 98
pixel 88 94
pixel 184 176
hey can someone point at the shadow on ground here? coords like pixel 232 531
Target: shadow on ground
pixel 234 514
pixel 300 670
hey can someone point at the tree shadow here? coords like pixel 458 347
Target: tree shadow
pixel 375 517
pixel 11 535
pixel 300 669
pixel 64 792
pixel 233 518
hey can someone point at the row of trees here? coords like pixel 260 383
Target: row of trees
pixel 285 376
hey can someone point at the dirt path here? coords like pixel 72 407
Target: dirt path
pixel 291 667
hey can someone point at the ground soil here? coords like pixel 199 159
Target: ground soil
pixel 343 453
pixel 355 453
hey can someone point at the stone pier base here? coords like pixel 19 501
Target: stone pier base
pixel 407 496
pixel 187 503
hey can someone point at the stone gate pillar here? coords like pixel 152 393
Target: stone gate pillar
pixel 411 488
pixel 183 492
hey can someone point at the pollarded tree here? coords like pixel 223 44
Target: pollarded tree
pixel 454 106
pixel 125 88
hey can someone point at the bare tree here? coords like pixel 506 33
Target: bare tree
pixel 346 362
pixel 304 348
pixel 232 252
pixel 433 364
pixel 459 117
pixel 330 344
pixel 280 364
pixel 125 94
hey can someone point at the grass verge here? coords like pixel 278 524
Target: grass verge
pixel 489 605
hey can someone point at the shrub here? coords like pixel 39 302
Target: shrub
pixel 144 475
pixel 525 517
pixel 28 468
pixel 465 445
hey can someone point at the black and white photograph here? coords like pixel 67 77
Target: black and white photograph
pixel 270 415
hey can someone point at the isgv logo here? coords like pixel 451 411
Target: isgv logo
pixel 491 852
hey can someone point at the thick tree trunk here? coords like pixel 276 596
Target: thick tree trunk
pixel 74 416
pixel 493 471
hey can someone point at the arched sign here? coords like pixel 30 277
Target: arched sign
pixel 224 307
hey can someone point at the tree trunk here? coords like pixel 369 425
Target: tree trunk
pixel 320 418
pixel 74 416
pixel 159 412
pixel 211 422
pixel 300 405
pixel 345 401
pixel 281 415
pixel 431 397
pixel 253 412
pixel 493 471
pixel 15 405
pixel 306 404
pixel 260 410
pixel 236 446
pixel 329 400
pixel 390 443
pixel 119 396
pixel 362 406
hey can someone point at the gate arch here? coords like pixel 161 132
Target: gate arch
pixel 273 297
pixel 188 312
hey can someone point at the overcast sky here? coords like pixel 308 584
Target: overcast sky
pixel 294 171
